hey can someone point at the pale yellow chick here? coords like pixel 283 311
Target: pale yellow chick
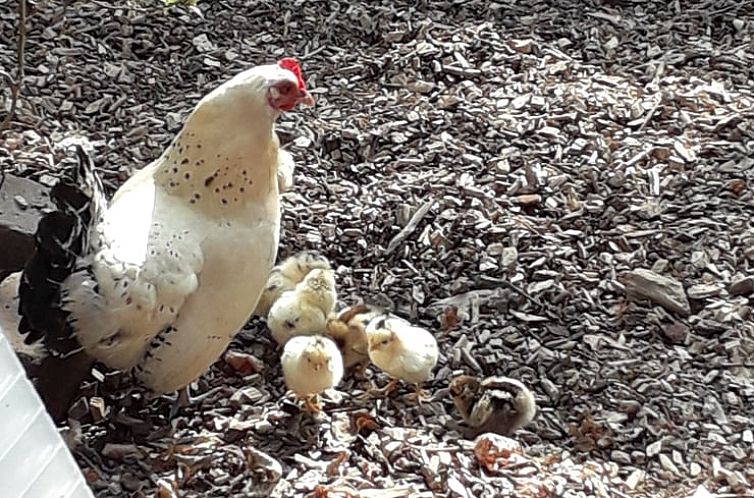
pixel 402 350
pixel 305 309
pixel 286 165
pixel 348 330
pixel 286 275
pixel 311 365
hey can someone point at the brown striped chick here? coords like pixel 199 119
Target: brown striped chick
pixel 348 330
pixel 305 309
pixel 402 351
pixel 494 404
pixel 311 365
pixel 286 275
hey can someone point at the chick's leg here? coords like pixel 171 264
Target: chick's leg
pixel 419 395
pixel 182 399
pixel 384 391
pixel 359 370
pixel 312 404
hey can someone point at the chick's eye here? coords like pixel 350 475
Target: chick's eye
pixel 384 343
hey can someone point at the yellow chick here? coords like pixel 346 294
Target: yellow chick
pixel 401 350
pixel 286 165
pixel 311 364
pixel 287 275
pixel 495 404
pixel 305 309
pixel 348 330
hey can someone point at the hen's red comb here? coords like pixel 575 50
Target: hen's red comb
pixel 291 65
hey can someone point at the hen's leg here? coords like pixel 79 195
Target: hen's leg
pixel 182 399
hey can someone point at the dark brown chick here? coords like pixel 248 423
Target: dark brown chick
pixel 495 404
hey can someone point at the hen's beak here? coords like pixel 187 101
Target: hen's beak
pixel 307 99
pixel 285 96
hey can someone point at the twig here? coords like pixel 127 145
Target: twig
pixel 20 51
pixel 410 227
pixel 737 364
pixel 110 6
pixel 651 113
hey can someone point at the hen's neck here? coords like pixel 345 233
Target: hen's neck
pixel 221 161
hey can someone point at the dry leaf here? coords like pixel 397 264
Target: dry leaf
pixel 165 489
pixel 90 475
pixel 737 186
pixel 449 319
pixel 320 491
pixel 364 421
pixel 589 435
pixel 243 363
pixel 493 451
pixel 333 468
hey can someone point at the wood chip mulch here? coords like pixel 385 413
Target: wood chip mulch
pixel 561 190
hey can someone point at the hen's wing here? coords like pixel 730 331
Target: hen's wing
pixel 104 281
pixel 62 237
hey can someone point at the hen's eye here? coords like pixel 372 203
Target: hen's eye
pixel 286 88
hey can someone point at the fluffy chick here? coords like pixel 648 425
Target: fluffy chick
pixel 401 350
pixel 495 404
pixel 305 309
pixel 287 275
pixel 311 364
pixel 348 330
pixel 286 165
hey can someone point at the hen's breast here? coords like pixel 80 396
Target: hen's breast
pixel 238 257
pixel 238 254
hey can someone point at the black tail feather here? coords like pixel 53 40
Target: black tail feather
pixel 62 237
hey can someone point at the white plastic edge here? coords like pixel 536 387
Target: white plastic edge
pixel 34 460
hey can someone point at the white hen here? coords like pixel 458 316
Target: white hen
pixel 162 278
